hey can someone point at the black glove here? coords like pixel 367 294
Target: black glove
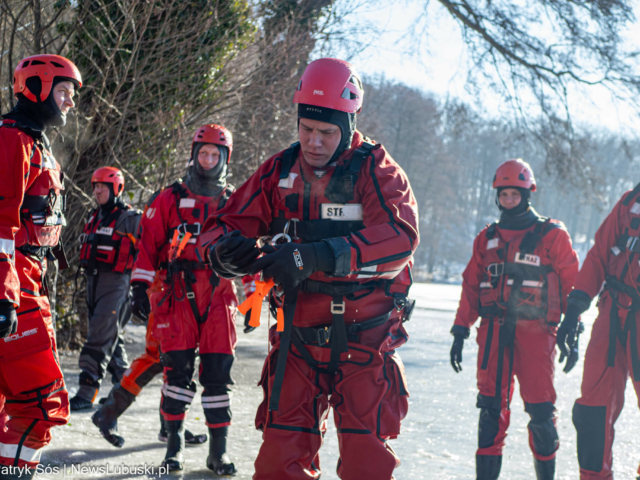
pixel 140 305
pixel 460 334
pixel 574 354
pixel 248 328
pixel 232 254
pixel 291 263
pixel 577 303
pixel 8 319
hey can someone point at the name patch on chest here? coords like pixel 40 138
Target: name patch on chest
pixel 105 231
pixel 527 259
pixel 341 212
pixel 187 202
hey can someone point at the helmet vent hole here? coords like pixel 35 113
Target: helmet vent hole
pixel 346 94
pixel 36 62
pixel 56 64
pixel 521 177
pixel 25 64
pixel 300 85
pixel 355 81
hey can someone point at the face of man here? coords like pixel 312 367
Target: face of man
pixel 208 156
pixel 318 141
pixel 509 198
pixel 101 192
pixel 63 94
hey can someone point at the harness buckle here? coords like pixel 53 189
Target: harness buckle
pixel 191 295
pixel 323 335
pixel 338 308
pixel 183 228
pixel 495 269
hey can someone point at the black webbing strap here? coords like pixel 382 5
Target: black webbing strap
pixel 338 334
pixel 285 345
pixel 507 336
pixel 616 332
pixel 113 216
pixel 288 158
pixel 487 344
pixel 315 230
pixel 321 335
pixel 191 296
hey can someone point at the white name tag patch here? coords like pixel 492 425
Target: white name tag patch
pixel 187 202
pixel 493 243
pixel 105 231
pixel 527 259
pixel 341 212
pixel 287 182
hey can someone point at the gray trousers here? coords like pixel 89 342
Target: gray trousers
pixel 109 308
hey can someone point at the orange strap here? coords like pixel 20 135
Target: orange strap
pixel 254 303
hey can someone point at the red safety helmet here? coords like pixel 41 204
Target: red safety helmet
pixel 515 173
pixel 45 67
pixel 330 83
pixel 109 175
pixel 216 134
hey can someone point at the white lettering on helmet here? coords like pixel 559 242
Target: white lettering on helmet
pixel 318 92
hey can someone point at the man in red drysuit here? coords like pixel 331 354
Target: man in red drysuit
pixel 522 269
pixel 352 219
pixel 612 353
pixel 194 309
pixel 142 370
pixel 31 219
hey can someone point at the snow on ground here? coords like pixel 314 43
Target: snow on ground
pixel 438 439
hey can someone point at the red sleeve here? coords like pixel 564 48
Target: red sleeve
pixel 564 261
pixel 471 278
pixel 15 157
pixel 593 272
pixel 390 215
pixel 153 237
pixel 248 208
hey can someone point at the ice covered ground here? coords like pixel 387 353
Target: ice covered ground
pixel 438 438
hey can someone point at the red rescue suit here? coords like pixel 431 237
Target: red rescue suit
pixel 612 354
pixel 31 218
pixel 194 309
pixel 364 207
pixel 518 282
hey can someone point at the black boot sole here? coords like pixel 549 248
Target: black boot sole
pixel 222 470
pixel 115 440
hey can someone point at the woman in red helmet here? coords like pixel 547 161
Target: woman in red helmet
pixel 194 310
pixel 351 219
pixel 31 220
pixel 106 257
pixel 522 269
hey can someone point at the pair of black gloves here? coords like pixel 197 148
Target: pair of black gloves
pixel 235 255
pixel 567 336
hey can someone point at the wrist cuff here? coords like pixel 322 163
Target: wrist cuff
pixel 325 256
pixel 460 331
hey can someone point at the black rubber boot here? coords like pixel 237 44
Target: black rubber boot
pixel 78 404
pixel 106 419
pixel 189 438
pixel 174 458
pixel 488 467
pixel 218 461
pixel 545 470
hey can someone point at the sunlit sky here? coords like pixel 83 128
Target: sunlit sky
pixel 440 66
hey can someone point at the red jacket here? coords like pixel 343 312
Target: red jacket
pixel 174 207
pixel 614 253
pixel 31 201
pixel 378 244
pixel 555 255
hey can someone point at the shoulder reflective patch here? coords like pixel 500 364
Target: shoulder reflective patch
pixel 367 272
pixel 151 212
pixel 527 259
pixel 615 251
pixel 341 212
pixel 493 243
pixel 636 208
pixel 105 231
pixel 187 202
pixel 288 182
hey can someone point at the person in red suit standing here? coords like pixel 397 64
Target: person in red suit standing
pixel 522 269
pixel 31 220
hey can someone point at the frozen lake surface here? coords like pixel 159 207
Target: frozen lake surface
pixel 438 439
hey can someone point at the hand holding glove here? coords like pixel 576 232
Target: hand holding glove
pixel 577 303
pixel 8 319
pixel 460 334
pixel 232 254
pixel 140 305
pixel 291 263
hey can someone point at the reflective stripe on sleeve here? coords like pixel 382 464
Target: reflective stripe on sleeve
pixel 7 246
pixel 145 275
pixel 9 450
